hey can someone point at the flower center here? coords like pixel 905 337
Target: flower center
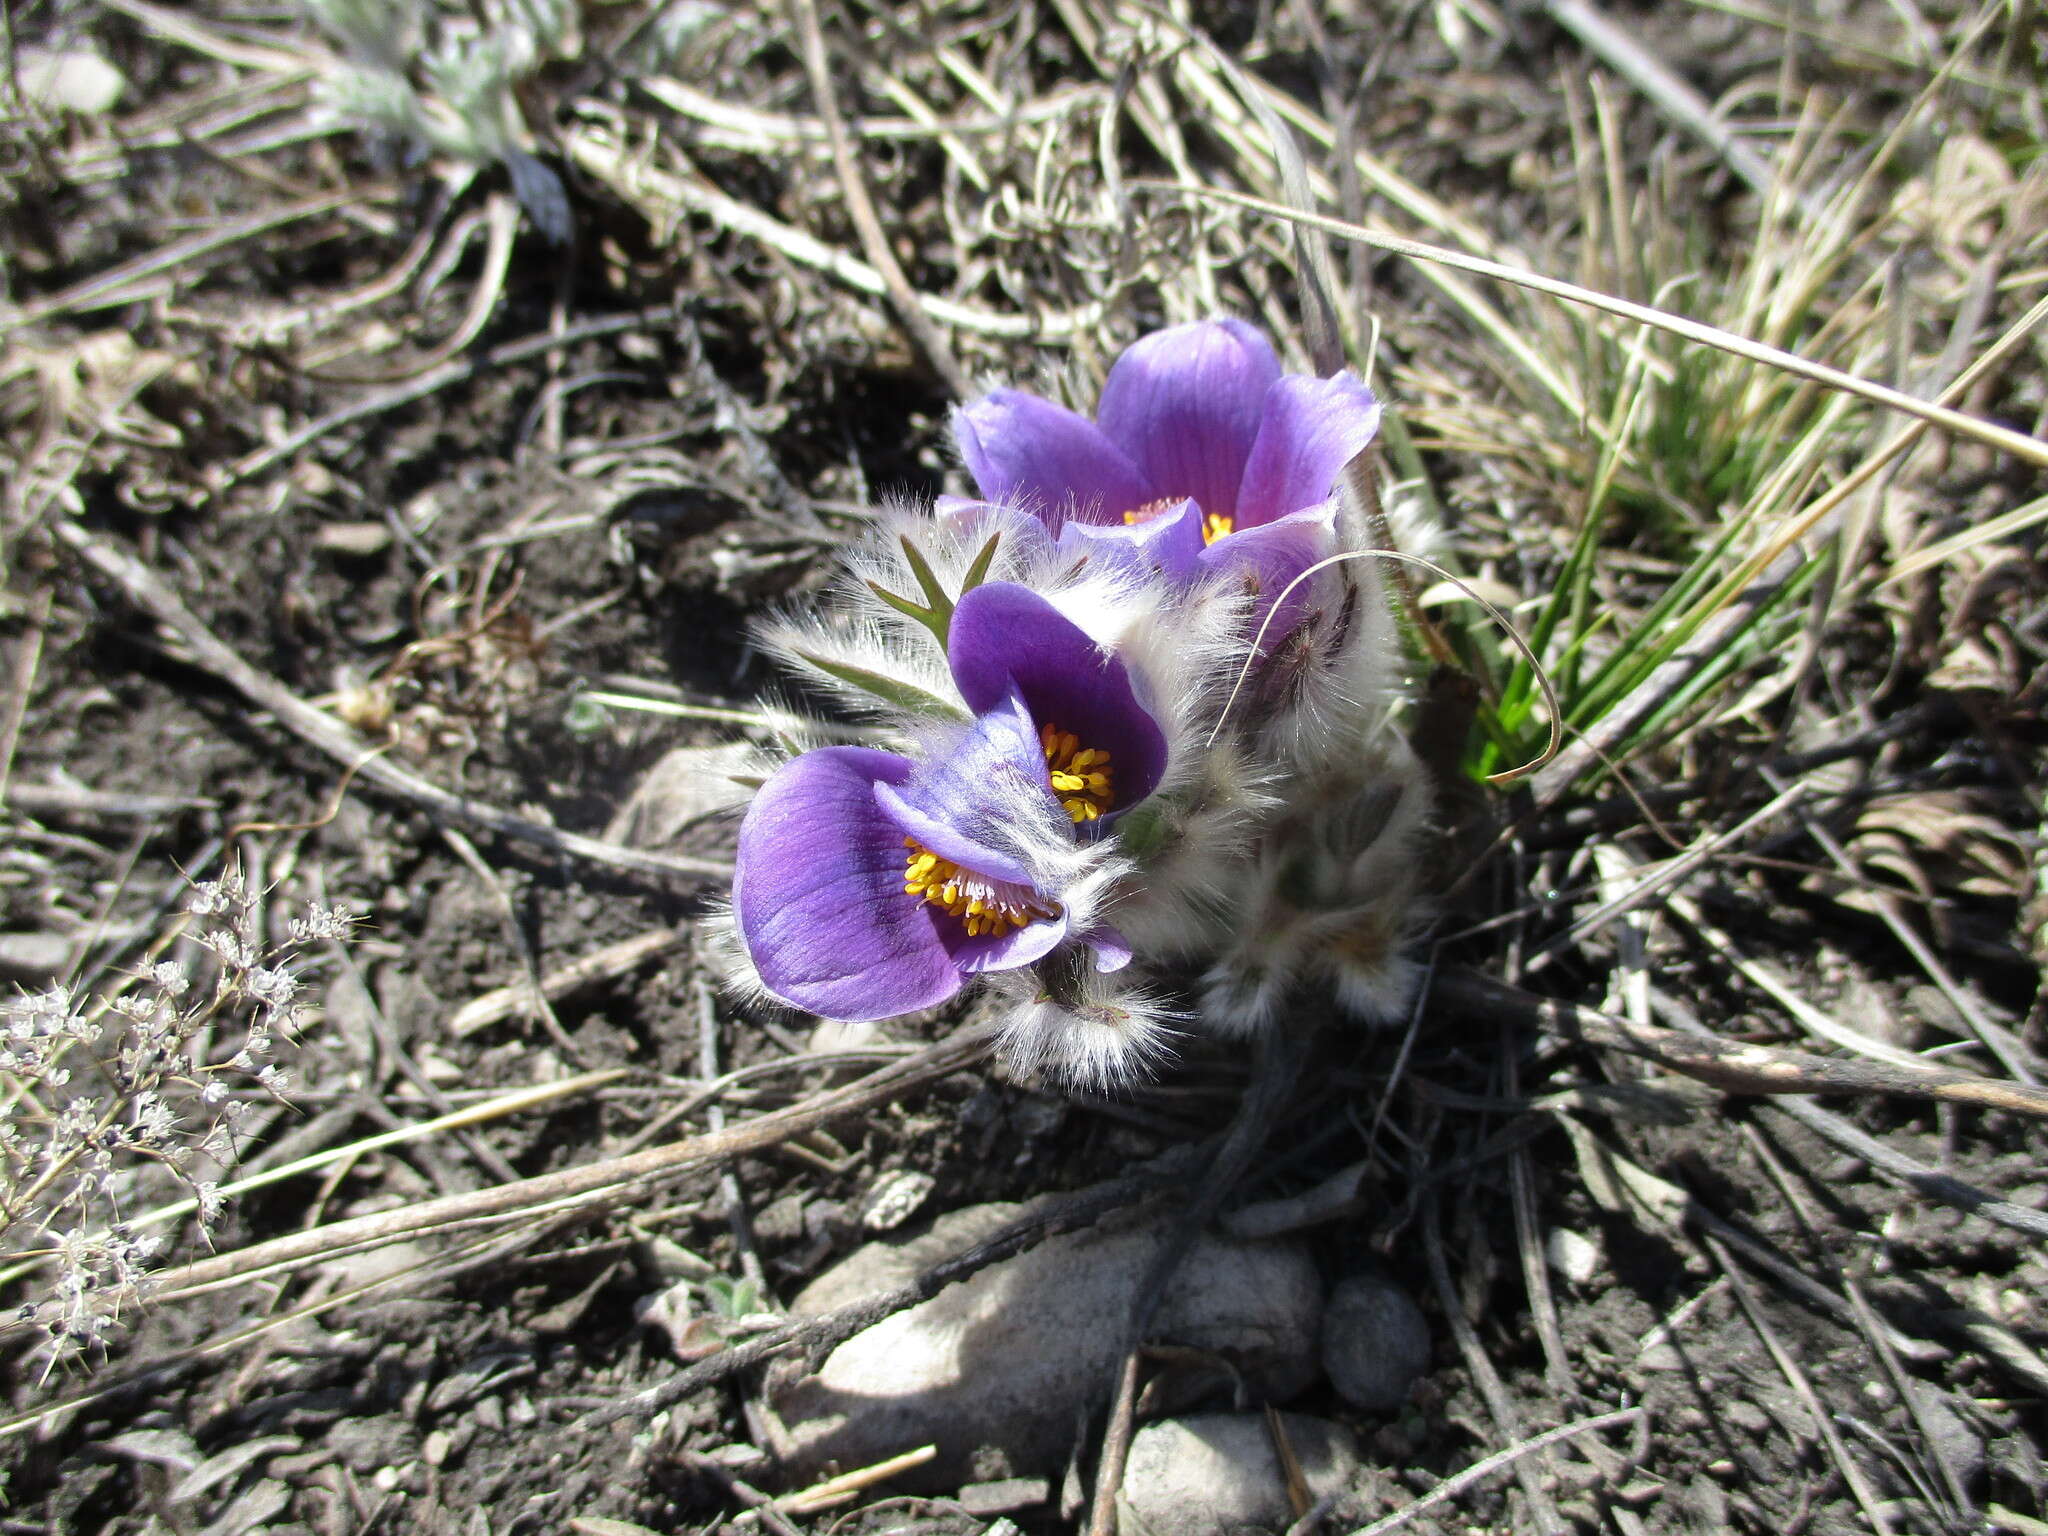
pixel 986 908
pixel 1214 524
pixel 1080 775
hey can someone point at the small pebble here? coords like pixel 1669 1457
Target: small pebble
pixel 1375 1343
pixel 356 541
pixel 895 1198
pixel 781 1222
pixel 1004 1495
pixel 1573 1255
pixel 1219 1474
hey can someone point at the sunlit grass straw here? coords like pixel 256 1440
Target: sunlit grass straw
pixel 1746 443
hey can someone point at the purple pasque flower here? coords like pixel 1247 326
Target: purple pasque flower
pixel 1203 456
pixel 868 884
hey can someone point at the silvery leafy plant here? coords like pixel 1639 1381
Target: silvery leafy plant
pixel 443 79
pixel 1136 763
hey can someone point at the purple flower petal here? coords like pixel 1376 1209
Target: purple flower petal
pixel 1006 640
pixel 968 804
pixel 818 890
pixel 1024 535
pixel 1005 952
pixel 1029 452
pixel 1269 558
pixel 1169 542
pixel 1109 950
pixel 1310 430
pixel 1185 404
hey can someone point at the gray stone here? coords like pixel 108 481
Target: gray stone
pixel 1219 1474
pixel 1009 1358
pixel 367 1445
pixel 1003 1496
pixel 1573 1254
pixel 1375 1343
pixel 687 785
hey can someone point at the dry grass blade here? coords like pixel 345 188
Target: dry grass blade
pixel 1499 1461
pixel 1914 1175
pixel 1116 1448
pixel 1732 1067
pixel 1492 1389
pixel 433 381
pixel 860 207
pixel 1852 1474
pixel 594 1186
pixel 477 1253
pixel 117 285
pixel 662 194
pixel 1673 96
pixel 516 1102
pixel 842 1489
pixel 502 1003
pixel 2029 449
pixel 501 222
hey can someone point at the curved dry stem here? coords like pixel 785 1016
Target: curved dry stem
pixel 2030 449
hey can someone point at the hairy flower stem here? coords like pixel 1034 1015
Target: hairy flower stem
pixel 1278 1056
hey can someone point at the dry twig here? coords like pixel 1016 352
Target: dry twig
pixel 1479 1471
pixel 148 591
pixel 591 1187
pixel 1728 1065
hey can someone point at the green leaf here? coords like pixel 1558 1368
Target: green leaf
pixel 888 689
pixel 1142 832
pixel 585 717
pixel 932 621
pixel 977 573
pixel 934 591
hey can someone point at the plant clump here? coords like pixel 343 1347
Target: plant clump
pixel 1137 757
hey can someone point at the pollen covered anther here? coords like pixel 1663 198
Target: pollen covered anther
pixel 1215 525
pixel 1150 510
pixel 1080 775
pixel 986 908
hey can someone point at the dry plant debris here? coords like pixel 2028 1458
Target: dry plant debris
pixel 406 409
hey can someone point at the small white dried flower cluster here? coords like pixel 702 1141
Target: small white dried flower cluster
pixel 104 1088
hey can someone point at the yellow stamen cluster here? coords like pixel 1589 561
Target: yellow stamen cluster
pixel 958 894
pixel 1214 524
pixel 1080 776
